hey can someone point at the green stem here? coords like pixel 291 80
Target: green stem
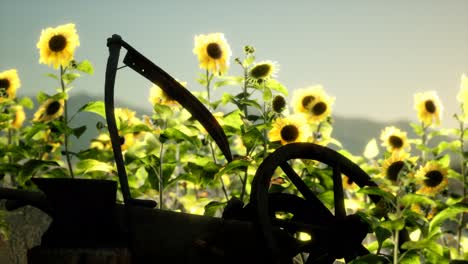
pixel 213 153
pixel 424 143
pixel 462 172
pixel 161 156
pixel 317 131
pixel 65 117
pixel 264 131
pixel 208 81
pixel 396 235
pixel 245 110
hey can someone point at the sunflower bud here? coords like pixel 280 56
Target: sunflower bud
pixel 278 104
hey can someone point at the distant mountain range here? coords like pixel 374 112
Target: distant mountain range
pixel 353 133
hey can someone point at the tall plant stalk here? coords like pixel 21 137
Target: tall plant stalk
pixel 462 172
pixel 65 117
pixel 209 77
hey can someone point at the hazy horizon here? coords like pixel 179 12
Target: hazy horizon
pixel 373 56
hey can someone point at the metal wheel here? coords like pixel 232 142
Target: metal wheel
pixel 334 236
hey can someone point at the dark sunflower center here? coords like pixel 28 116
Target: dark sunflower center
pixel 430 106
pixel 433 178
pixel 395 141
pixel 319 108
pixel 289 133
pixel 4 84
pixel 394 169
pixel 307 100
pixel 122 140
pixel 214 51
pixel 260 71
pixel 57 43
pixel 53 108
pixel 279 103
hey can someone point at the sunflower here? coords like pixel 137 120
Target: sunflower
pixel 290 129
pixel 348 184
pixel 213 52
pixel 51 109
pixel 428 107
pixel 262 71
pixel 126 141
pixel 462 96
pixel 127 116
pixel 394 139
pixel 57 45
pixel 9 83
pixel 19 117
pixel 314 102
pixel 278 104
pixel 393 166
pixel 102 142
pixel 159 96
pixel 432 177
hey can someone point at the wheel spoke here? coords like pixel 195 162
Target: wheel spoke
pixel 309 196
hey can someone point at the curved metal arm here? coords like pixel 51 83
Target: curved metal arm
pixel 170 86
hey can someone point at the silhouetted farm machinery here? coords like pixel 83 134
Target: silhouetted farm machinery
pixel 89 226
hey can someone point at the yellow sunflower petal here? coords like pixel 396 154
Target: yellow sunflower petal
pixel 50 110
pixel 57 45
pixel 290 129
pixel 394 139
pixel 428 107
pixel 9 83
pixel 432 177
pixel 314 102
pixel 213 52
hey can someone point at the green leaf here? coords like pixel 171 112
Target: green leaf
pixel 228 80
pixel 79 131
pixel 31 167
pixel 163 111
pixel 277 86
pixel 327 198
pixel 59 96
pixel 448 145
pixel 178 136
pixel 377 191
pixel 411 198
pixel 447 213
pixel 396 225
pixel 26 102
pixel 417 128
pixel 267 95
pixel 251 138
pixel 86 67
pixel 137 179
pixel 248 61
pixel 70 77
pixel 427 244
pixel 410 257
pixel 381 234
pixel 212 207
pixel 233 165
pixel 41 97
pixel 370 259
pixel 96 107
pixel 90 165
pixel 371 150
pixel 53 76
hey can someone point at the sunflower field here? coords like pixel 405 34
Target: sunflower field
pixel 170 157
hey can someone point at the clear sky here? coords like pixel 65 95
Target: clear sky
pixel 371 55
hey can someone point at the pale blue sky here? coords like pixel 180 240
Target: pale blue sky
pixel 371 55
